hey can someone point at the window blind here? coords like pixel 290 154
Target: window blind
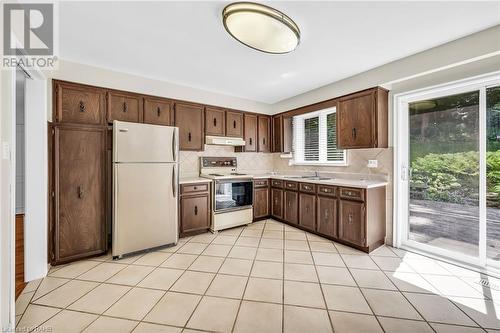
pixel 315 138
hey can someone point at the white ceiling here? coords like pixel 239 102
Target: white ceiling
pixel 185 42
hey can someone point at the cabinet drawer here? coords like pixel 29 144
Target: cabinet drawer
pixel 261 183
pixel 277 183
pixel 291 185
pixel 191 188
pixel 124 107
pixel 327 190
pixel 79 104
pixel 309 188
pixel 352 193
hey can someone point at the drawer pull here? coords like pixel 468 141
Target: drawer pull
pixel 215 122
pixel 158 111
pixel 189 136
pixel 250 141
pixel 124 106
pixel 195 188
pixel 82 106
pixel 234 123
pixel 326 190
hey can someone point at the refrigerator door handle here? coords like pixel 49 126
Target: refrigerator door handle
pixel 174 145
pixel 174 182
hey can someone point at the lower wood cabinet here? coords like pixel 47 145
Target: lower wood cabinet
pixel 291 207
pixel 78 187
pixel 307 211
pixel 194 208
pixel 327 216
pixel 261 198
pixel 352 222
pixel 277 203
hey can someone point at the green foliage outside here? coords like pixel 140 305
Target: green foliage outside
pixel 455 177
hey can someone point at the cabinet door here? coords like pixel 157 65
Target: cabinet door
pixel 352 222
pixel 327 216
pixel 79 187
pixel 307 211
pixel 261 202
pixel 277 203
pixel 124 107
pixel 189 119
pixel 356 122
pixel 264 132
pixel 158 111
pixel 195 213
pixel 79 104
pixel 215 121
pixel 277 146
pixel 291 207
pixel 234 124
pixel 250 132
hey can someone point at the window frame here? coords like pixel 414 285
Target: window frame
pixel 323 137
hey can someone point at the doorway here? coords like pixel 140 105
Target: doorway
pixel 448 171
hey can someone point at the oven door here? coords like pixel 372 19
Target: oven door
pixel 232 194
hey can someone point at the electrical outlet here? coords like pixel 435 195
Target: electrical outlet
pixel 372 163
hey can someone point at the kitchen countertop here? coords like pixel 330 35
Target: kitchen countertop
pixel 360 183
pixel 190 180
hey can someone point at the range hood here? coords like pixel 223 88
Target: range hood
pixel 224 141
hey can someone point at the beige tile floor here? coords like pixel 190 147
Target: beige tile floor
pixel 266 277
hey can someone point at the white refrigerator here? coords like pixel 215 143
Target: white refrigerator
pixel 145 187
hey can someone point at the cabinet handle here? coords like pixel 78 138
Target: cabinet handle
pixel 80 192
pixel 264 141
pixel 326 214
pixel 195 210
pixel 215 122
pixel 349 218
pixel 82 106
pixel 189 136
pixel 354 132
pixel 234 123
pixel 250 141
pixel 158 111
pixel 124 106
pixel 289 203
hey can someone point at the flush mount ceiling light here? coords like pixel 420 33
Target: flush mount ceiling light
pixel 261 27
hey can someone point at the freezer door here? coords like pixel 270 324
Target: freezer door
pixel 134 142
pixel 145 206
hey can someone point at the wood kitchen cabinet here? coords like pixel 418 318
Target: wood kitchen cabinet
pixel 307 211
pixel 234 124
pixel 362 120
pixel 277 203
pixel 327 216
pixel 158 111
pixel 291 207
pixel 264 134
pixel 194 208
pixel 78 104
pixel 250 131
pixel 124 106
pixel 215 121
pixel 277 134
pixel 78 184
pixel 189 118
pixel 352 222
pixel 261 199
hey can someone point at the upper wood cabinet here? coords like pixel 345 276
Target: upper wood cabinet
pixel 215 121
pixel 234 124
pixel 78 104
pixel 277 134
pixel 362 120
pixel 189 118
pixel 78 172
pixel 250 132
pixel 124 107
pixel 158 111
pixel 264 134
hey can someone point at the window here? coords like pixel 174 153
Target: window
pixel 315 139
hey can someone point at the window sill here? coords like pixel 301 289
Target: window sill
pixel 339 164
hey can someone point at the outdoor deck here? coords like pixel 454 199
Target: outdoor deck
pixel 453 226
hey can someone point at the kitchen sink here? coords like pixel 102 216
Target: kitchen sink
pixel 316 178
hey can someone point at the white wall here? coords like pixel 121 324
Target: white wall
pixel 35 218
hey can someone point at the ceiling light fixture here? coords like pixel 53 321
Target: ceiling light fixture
pixel 261 27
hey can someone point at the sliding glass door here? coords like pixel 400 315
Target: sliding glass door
pixel 449 175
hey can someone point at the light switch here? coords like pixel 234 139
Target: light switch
pixel 373 163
